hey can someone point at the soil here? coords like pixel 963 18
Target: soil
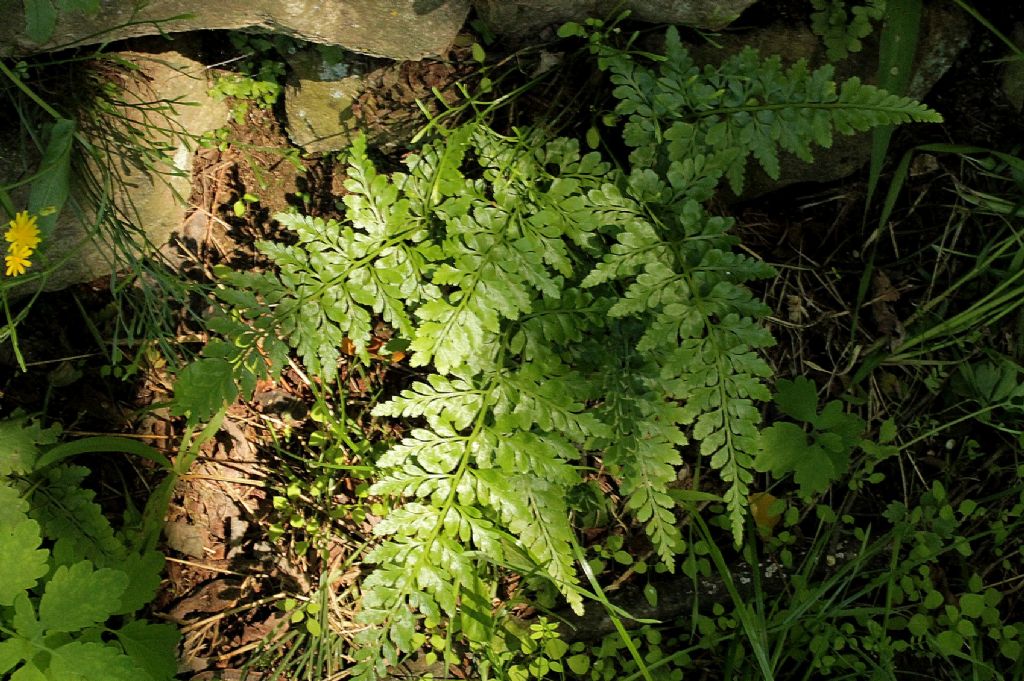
pixel 225 579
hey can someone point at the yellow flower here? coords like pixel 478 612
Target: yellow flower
pixel 17 261
pixel 23 234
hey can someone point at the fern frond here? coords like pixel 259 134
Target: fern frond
pixel 547 336
pixel 533 508
pixel 644 451
pixel 747 106
pixel 545 398
pixel 444 402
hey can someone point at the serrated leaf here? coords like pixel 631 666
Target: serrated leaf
pixel 68 515
pixel 144 576
pixel 29 672
pixel 13 507
pixel 22 562
pixel 797 398
pixel 24 620
pixel 19 444
pixel 152 647
pixel 80 596
pixel 79 661
pixel 13 651
pixel 785 449
pixel 203 388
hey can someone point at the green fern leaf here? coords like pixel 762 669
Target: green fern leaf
pixel 547 399
pixel 444 402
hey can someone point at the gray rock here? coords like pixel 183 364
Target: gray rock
pixel 519 19
pixel 318 98
pixel 165 104
pixel 398 29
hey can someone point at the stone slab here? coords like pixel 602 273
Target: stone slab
pixel 519 19
pixel 397 29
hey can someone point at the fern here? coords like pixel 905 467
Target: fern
pixel 841 29
pixel 689 128
pixel 564 312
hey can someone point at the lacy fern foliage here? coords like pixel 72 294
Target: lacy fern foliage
pixel 566 314
pixel 841 27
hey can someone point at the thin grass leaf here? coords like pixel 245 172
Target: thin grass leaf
pixel 755 630
pixel 102 444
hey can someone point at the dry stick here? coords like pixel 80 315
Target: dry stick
pixel 211 568
pixel 231 611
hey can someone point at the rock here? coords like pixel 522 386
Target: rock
pixel 398 29
pixel 318 98
pixel 328 99
pixel 944 33
pixel 518 19
pixel 149 185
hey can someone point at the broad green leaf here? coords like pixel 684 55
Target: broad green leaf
pixel 79 661
pixel 651 595
pixel 13 651
pixel 30 672
pixel 152 647
pixel 13 507
pixel 919 624
pixel 786 448
pixel 22 562
pixel 475 614
pixel 24 620
pixel 933 599
pixel 50 191
pixel 203 388
pixel 79 596
pixel 949 643
pixel 144 575
pixel 555 648
pixel 40 19
pixel 313 626
pixel 972 605
pixel 578 664
pixel 797 398
pixel 19 440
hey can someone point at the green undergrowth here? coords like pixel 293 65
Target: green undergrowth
pixel 580 403
pixel 72 585
pixel 567 317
